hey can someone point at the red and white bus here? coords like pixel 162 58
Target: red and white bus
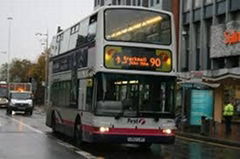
pixel 112 77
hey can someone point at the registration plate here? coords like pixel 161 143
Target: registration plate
pixel 136 139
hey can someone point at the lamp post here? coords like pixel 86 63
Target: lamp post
pixel 9 51
pixel 46 64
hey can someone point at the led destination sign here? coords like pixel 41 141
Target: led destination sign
pixel 138 59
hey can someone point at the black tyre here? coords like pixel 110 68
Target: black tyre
pixel 30 112
pixel 78 134
pixel 9 112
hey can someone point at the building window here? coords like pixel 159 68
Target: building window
pixel 187 61
pixel 186 38
pixel 198 42
pixel 119 2
pixel 221 19
pixel 218 63
pixel 187 5
pixel 208 32
pixel 128 2
pixel 232 62
pixel 208 1
pixel 198 59
pixel 197 3
pixel 157 1
pixel 198 34
pixel 208 58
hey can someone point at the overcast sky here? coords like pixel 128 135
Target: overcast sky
pixel 33 16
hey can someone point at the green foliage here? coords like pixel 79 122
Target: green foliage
pixel 37 73
pixel 37 70
pixel 22 70
pixel 19 70
pixel 3 72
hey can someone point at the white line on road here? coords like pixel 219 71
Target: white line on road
pixel 28 126
pixel 69 146
pixel 86 154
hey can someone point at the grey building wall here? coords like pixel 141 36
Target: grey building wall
pixel 158 4
pixel 201 36
pixel 218 46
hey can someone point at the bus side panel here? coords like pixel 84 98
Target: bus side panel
pixel 87 119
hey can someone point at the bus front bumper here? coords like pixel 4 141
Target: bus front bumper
pixel 102 138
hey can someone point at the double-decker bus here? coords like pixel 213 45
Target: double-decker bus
pixel 112 77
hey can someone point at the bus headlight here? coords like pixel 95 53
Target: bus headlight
pixel 167 131
pixel 103 129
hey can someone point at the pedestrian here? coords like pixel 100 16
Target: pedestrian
pixel 228 114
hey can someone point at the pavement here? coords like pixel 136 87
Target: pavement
pixel 216 135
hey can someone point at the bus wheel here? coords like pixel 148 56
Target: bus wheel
pixel 78 134
pixel 9 112
pixel 53 124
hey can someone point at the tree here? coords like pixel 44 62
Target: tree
pixel 37 73
pixel 3 72
pixel 37 70
pixel 19 70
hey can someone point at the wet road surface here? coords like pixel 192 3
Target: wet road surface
pixel 21 141
pixel 24 137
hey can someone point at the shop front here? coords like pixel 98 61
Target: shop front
pixel 228 91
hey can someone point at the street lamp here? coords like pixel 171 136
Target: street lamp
pixel 9 51
pixel 46 65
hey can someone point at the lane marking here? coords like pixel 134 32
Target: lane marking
pixel 210 143
pixel 86 154
pixel 28 126
pixel 67 145
pixel 76 150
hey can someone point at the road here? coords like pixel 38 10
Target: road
pixel 23 137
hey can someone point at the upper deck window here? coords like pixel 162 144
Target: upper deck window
pixel 133 25
pixel 74 29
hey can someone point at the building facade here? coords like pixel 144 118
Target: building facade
pixel 158 4
pixel 209 47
